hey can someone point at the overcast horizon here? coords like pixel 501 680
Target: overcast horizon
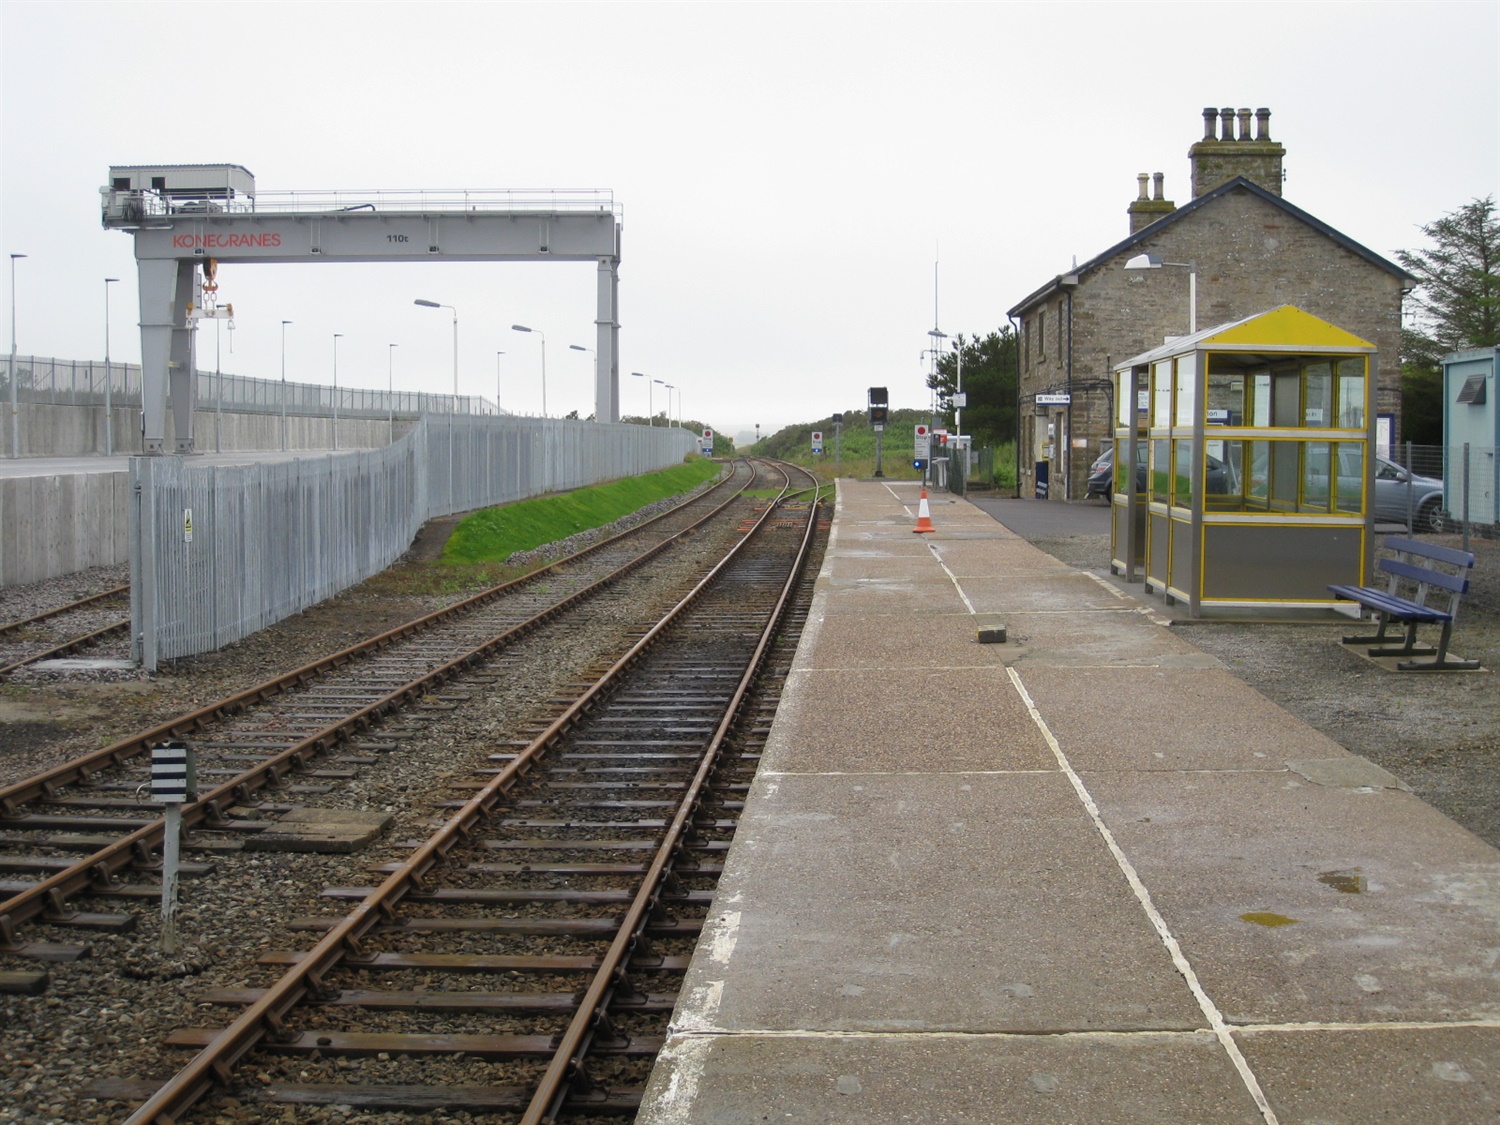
pixel 788 173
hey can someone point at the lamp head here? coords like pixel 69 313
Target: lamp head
pixel 519 328
pixel 427 304
pixel 1144 262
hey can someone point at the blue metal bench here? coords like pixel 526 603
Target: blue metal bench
pixel 1412 611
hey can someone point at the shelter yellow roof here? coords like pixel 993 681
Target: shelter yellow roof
pixel 1284 329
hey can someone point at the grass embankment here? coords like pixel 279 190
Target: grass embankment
pixel 494 534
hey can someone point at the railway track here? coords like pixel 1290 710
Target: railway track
pixel 82 828
pixel 523 959
pixel 64 630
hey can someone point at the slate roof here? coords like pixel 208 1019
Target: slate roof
pixel 1239 183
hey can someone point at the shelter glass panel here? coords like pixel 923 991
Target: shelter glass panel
pixel 1182 473
pixel 1187 389
pixel 1317 395
pixel 1351 374
pixel 1161 394
pixel 1226 398
pixel 1349 488
pixel 1159 478
pixel 1261 398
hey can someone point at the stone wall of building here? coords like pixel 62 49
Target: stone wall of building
pixel 1251 257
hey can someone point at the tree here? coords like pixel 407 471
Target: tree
pixel 989 381
pixel 1458 283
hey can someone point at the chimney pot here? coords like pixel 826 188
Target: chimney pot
pixel 1140 186
pixel 1210 122
pixel 1262 124
pixel 1156 182
pixel 1244 124
pixel 1226 123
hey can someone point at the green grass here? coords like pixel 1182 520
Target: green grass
pixel 495 534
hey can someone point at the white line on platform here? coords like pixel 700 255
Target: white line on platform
pixel 1143 896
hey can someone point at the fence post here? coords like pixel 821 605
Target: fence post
pixel 1466 496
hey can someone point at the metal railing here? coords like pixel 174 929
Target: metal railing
pixel 142 205
pixel 72 382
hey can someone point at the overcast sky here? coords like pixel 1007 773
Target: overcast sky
pixel 788 173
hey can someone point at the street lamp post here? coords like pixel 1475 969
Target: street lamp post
pixel 543 335
pixel 664 383
pixel 15 413
pixel 498 354
pixel 592 352
pixel 336 337
pixel 109 424
pixel 650 420
pixel 390 388
pixel 450 308
pixel 284 323
pixel 1154 262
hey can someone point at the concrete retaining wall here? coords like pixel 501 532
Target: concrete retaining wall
pixel 53 525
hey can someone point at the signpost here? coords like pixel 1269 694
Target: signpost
pixel 922 448
pixel 838 434
pixel 707 444
pixel 817 441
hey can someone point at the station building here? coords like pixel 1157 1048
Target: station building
pixel 1238 248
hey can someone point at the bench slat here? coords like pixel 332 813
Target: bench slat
pixel 1450 555
pixel 1399 609
pixel 1458 584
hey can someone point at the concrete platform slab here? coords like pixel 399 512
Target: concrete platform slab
pixel 1351 1076
pixel 1047 591
pixel 1008 914
pixel 1101 638
pixel 941 720
pixel 1147 1079
pixel 919 593
pixel 1161 718
pixel 872 641
pixel 1303 902
pixel 997 557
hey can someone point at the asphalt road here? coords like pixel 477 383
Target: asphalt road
pixel 1046 519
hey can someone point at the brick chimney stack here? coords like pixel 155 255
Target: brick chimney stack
pixel 1146 210
pixel 1226 151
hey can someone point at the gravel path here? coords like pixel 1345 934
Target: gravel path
pixel 1438 732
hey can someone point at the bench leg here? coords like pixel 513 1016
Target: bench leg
pixel 1377 639
pixel 1408 648
pixel 1440 663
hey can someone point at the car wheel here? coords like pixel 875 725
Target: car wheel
pixel 1430 518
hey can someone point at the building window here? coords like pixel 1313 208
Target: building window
pixel 1041 333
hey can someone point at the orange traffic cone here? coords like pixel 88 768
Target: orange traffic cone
pixel 924 516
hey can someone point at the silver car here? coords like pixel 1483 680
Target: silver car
pixel 1400 494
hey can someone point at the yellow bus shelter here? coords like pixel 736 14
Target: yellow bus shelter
pixel 1244 466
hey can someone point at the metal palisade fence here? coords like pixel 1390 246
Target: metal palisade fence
pixel 221 551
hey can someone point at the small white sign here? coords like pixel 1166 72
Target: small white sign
pixel 187 525
pixel 959 399
pixel 1053 400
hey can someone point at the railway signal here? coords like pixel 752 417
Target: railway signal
pixel 174 779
